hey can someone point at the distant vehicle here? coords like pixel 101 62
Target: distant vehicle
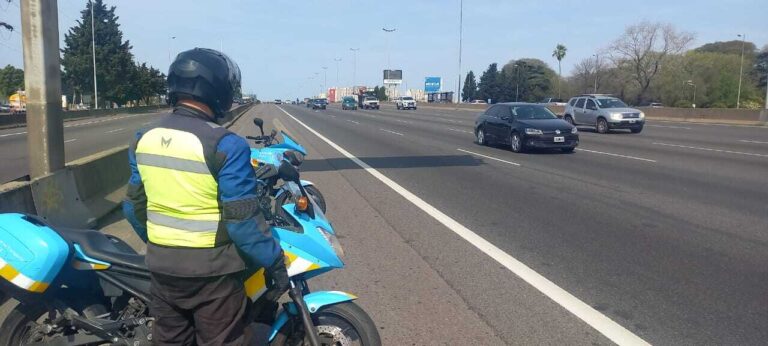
pixel 553 101
pixel 525 126
pixel 5 108
pixel 405 102
pixel 310 102
pixel 478 102
pixel 370 102
pixel 278 101
pixel 348 102
pixel 604 112
pixel 656 105
pixel 319 103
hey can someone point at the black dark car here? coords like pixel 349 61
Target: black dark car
pixel 319 103
pixel 525 126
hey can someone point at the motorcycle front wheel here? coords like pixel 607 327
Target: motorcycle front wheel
pixel 341 324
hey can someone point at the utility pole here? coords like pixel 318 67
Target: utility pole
pixel 517 87
pixel 354 66
pixel 461 32
pixel 741 69
pixel 597 68
pixel 325 78
pixel 169 47
pixel 337 60
pixel 93 54
pixel 42 80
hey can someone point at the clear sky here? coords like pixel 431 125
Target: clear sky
pixel 281 46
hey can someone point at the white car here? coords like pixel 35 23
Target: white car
pixel 551 101
pixel 370 102
pixel 405 102
pixel 478 102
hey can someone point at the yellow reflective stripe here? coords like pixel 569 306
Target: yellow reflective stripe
pixel 170 162
pixel 168 236
pixel 183 224
pixel 255 285
pixel 10 273
pixel 173 143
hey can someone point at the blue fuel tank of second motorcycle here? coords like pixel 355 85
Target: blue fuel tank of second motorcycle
pixel 31 253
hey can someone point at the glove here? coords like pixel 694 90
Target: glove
pixel 277 279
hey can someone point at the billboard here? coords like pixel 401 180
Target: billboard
pixel 393 76
pixel 432 84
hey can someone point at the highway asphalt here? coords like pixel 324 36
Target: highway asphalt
pixel 664 233
pixel 81 138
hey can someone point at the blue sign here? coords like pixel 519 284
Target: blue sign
pixel 432 84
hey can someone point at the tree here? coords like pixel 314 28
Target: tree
pixel 559 54
pixel 489 87
pixel 150 82
pixel 530 78
pixel 116 71
pixel 728 47
pixel 11 80
pixel 381 93
pixel 469 91
pixel 644 47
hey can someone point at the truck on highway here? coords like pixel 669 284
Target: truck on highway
pixel 366 98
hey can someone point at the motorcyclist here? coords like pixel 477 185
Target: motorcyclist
pixel 192 198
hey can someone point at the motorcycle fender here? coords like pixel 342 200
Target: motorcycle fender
pixel 315 301
pixel 283 188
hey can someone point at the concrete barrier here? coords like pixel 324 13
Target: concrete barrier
pixel 85 191
pixel 18 120
pixel 706 115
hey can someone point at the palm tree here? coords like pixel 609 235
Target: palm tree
pixel 559 54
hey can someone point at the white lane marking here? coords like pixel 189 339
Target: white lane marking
pixel 116 130
pixel 669 127
pixel 488 157
pixel 70 140
pixel 403 121
pixel 755 142
pixel 457 130
pixel 392 132
pixel 612 330
pixel 616 155
pixel 711 149
pixel 13 134
pixel 351 121
pixel 147 123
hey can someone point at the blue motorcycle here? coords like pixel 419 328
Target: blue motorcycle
pixel 78 287
pixel 274 152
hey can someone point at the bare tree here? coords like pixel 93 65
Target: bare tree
pixel 645 47
pixel 589 74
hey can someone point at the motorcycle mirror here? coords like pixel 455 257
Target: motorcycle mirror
pixel 292 157
pixel 288 172
pixel 260 124
pixel 273 133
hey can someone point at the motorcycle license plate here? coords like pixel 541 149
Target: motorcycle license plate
pixel 559 139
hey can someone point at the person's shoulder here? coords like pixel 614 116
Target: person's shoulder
pixel 231 142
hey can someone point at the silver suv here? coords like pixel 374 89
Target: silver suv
pixel 604 112
pixel 405 102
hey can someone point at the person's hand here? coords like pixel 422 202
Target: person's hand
pixel 277 279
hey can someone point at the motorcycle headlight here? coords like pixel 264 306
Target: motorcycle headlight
pixel 533 132
pixel 574 130
pixel 333 241
pixel 616 116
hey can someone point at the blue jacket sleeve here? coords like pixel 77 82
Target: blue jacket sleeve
pixel 135 203
pixel 243 219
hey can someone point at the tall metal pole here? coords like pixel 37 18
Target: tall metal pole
pixel 597 63
pixel 325 78
pixel 461 32
pixel 93 54
pixel 42 80
pixel 354 66
pixel 741 69
pixel 517 85
pixel 337 60
pixel 389 64
pixel 169 47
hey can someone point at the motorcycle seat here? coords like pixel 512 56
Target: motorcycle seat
pixel 104 247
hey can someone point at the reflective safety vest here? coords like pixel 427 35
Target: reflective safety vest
pixel 175 165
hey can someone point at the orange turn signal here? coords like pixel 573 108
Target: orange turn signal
pixel 254 162
pixel 302 203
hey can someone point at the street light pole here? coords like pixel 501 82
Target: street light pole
pixel 354 65
pixel 690 83
pixel 337 60
pixel 389 63
pixel 461 32
pixel 741 69
pixel 597 63
pixel 325 78
pixel 93 54
pixel 170 42
pixel 517 84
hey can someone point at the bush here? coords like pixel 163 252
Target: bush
pixel 683 104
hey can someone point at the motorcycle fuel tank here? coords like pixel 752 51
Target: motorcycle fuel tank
pixel 31 253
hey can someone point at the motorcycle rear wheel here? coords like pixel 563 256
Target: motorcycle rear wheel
pixel 340 324
pixel 23 325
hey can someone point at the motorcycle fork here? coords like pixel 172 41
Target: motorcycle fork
pixel 296 294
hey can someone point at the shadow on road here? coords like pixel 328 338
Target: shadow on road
pixel 334 164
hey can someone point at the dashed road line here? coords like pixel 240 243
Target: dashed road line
pixel 392 132
pixel 70 140
pixel 13 134
pixel 115 130
pixel 616 155
pixel 754 142
pixel 488 157
pixel 457 130
pixel 711 149
pixel 352 121
pixel 597 320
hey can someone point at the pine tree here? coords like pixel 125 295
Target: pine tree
pixel 469 90
pixel 116 72
pixel 489 87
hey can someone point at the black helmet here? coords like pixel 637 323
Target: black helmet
pixel 204 75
